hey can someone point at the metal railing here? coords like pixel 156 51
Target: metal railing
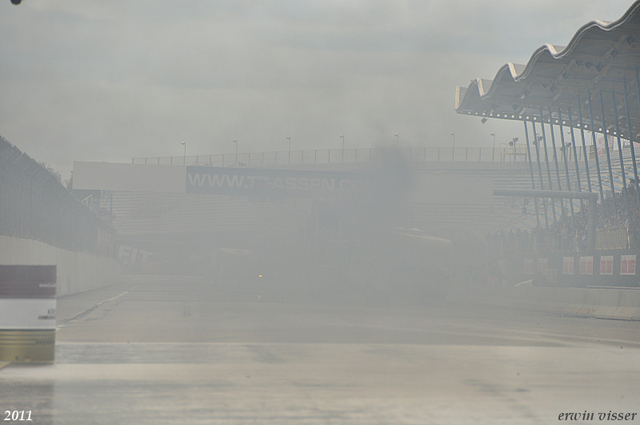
pixel 361 155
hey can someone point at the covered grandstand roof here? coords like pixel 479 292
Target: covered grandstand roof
pixel 602 59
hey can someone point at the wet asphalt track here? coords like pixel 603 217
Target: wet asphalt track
pixel 160 350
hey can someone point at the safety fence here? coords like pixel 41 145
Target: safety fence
pixel 507 154
pixel 35 205
pixel 605 239
pixel 541 241
pixel 613 239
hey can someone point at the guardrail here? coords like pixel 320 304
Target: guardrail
pixel 362 155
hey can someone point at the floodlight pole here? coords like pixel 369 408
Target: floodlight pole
pixel 453 149
pixel 235 141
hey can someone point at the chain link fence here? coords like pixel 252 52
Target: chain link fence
pixel 35 205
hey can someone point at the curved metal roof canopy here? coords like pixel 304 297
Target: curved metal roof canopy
pixel 600 62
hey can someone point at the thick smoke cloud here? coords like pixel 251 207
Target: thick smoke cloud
pixel 115 80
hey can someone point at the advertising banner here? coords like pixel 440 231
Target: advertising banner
pixel 606 265
pixel 586 265
pixel 567 265
pixel 257 182
pixel 28 282
pixel 28 313
pixel 27 297
pixel 628 265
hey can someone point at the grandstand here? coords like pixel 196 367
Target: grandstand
pixel 580 102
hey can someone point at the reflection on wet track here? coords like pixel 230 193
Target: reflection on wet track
pixel 172 351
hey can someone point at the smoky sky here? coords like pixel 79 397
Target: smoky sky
pixel 112 80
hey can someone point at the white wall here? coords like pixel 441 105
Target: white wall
pixel 130 177
pixel 77 272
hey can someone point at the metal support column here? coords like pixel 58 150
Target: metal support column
pixel 555 156
pixel 591 224
pixel 624 178
pixel 606 142
pixel 536 144
pixel 584 143
pixel 546 151
pixel 555 150
pixel 633 150
pixel 566 151
pixel 595 147
pixel 533 180
pixel 546 160
pixel 575 154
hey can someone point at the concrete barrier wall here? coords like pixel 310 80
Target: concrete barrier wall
pixel 77 272
pixel 611 303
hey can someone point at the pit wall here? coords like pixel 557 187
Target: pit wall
pixel 602 303
pixel 604 284
pixel 606 268
pixel 76 272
